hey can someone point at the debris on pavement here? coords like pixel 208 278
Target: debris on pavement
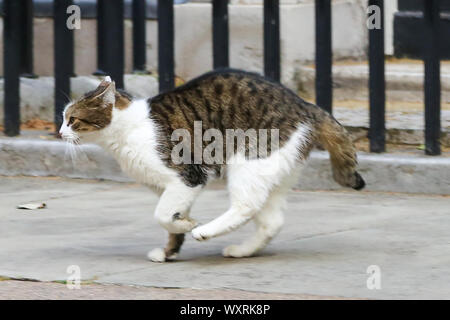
pixel 32 206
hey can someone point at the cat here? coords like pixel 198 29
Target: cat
pixel 139 134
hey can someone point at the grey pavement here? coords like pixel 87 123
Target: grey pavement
pixel 32 290
pixel 329 240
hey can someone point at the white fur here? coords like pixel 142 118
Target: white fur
pixel 66 131
pixel 252 183
pixel 268 223
pixel 131 138
pixel 157 255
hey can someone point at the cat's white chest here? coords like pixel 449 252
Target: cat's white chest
pixel 140 161
pixel 132 139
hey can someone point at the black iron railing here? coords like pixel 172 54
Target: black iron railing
pixel 139 36
pixel 377 86
pixel 166 46
pixel 18 37
pixel 324 55
pixel 432 78
pixel 64 57
pixel 272 39
pixel 220 34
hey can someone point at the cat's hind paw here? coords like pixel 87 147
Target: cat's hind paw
pixel 237 251
pixel 157 255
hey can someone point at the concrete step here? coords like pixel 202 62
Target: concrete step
pixel 41 155
pixel 405 122
pixel 404 81
pixel 404 98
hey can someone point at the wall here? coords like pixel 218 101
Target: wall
pixel 193 38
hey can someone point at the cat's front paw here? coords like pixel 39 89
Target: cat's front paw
pixel 157 255
pixel 200 234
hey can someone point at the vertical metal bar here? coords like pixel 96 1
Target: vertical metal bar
pixel 377 87
pixel 139 36
pixel 113 40
pixel 324 55
pixel 12 43
pixel 64 57
pixel 165 45
pixel 432 78
pixel 272 39
pixel 101 31
pixel 220 34
pixel 26 68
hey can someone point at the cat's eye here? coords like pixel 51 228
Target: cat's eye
pixel 71 120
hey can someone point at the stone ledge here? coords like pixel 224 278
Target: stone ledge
pixel 350 81
pixel 383 172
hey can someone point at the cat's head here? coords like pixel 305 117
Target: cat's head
pixel 92 112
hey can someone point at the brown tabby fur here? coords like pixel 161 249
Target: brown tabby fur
pixel 234 99
pixel 89 113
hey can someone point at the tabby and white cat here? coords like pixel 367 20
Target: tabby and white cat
pixel 138 133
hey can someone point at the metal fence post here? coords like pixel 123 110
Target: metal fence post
pixel 324 55
pixel 432 78
pixel 139 36
pixel 272 39
pixel 12 46
pixel 26 68
pixel 110 40
pixel 64 58
pixel 220 34
pixel 101 46
pixel 165 45
pixel 377 85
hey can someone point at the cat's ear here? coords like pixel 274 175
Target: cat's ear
pixel 107 91
pixel 110 94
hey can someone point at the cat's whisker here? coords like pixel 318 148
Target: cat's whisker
pixel 79 150
pixel 73 150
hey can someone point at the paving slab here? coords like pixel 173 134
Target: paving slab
pixel 329 240
pixel 32 290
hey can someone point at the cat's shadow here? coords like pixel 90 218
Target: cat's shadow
pixel 261 257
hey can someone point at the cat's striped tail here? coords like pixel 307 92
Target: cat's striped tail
pixel 334 138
